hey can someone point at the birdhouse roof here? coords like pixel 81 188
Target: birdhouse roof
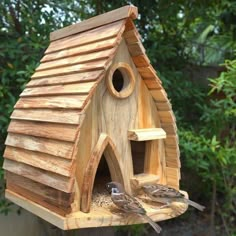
pixel 45 124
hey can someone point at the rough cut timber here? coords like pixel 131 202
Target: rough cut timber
pixel 94 99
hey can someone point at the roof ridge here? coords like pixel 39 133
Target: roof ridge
pixel 94 22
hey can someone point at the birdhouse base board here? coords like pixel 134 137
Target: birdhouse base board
pixel 98 217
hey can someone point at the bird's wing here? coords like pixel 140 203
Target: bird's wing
pixel 127 203
pixel 164 191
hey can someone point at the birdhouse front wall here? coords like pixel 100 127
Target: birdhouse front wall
pixel 107 115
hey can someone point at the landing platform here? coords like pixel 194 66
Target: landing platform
pixel 99 216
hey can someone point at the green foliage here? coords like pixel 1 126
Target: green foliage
pixel 210 150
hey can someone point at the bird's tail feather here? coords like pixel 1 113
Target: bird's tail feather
pixel 154 225
pixel 196 205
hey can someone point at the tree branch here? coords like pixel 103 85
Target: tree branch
pixel 15 19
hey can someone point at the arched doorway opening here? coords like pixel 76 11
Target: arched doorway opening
pixel 104 148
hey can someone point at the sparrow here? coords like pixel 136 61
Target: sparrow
pixel 167 195
pixel 129 204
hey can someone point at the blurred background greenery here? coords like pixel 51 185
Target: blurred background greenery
pixel 192 45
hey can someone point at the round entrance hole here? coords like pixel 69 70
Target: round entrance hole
pixel 120 80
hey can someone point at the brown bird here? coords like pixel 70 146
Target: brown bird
pixel 129 204
pixel 167 195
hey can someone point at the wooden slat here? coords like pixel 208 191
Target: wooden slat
pixel 66 79
pixel 132 36
pixel 170 129
pixel 163 106
pixel 40 160
pixel 146 134
pixel 73 60
pixel 103 19
pixel 42 129
pixel 136 49
pixel 98 217
pixel 47 115
pixel 56 181
pixel 174 163
pixel 152 83
pixel 172 140
pixel 129 24
pixel 69 101
pixel 141 60
pixel 49 146
pixel 37 199
pixel 159 95
pixel 148 72
pixel 95 35
pixel 47 194
pixel 101 64
pixel 166 116
pixel 172 175
pixel 139 180
pixel 172 152
pixel 80 88
pixel 80 50
pixel 89 66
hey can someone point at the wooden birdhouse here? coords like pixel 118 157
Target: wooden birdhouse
pixel 93 111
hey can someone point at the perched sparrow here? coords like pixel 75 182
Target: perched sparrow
pixel 167 195
pixel 129 204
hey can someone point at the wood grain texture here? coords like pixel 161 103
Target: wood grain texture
pixel 48 115
pixel 66 101
pixel 154 154
pixel 77 88
pixel 78 59
pixel 81 50
pixel 172 140
pixel 173 162
pixel 103 19
pixel 56 181
pixel 148 73
pixel 170 128
pixel 43 145
pixel 42 129
pixel 172 152
pixel 141 60
pixel 152 83
pixel 132 36
pixel 66 79
pixel 159 95
pixel 173 177
pixel 139 180
pixel 146 134
pixel 36 198
pixel 89 66
pixel 35 208
pixel 167 116
pixel 163 106
pixel 45 194
pixel 97 217
pixel 136 49
pixel 40 160
pixel 91 36
pixel 129 24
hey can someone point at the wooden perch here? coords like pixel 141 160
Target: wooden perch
pixel 141 179
pixel 146 134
